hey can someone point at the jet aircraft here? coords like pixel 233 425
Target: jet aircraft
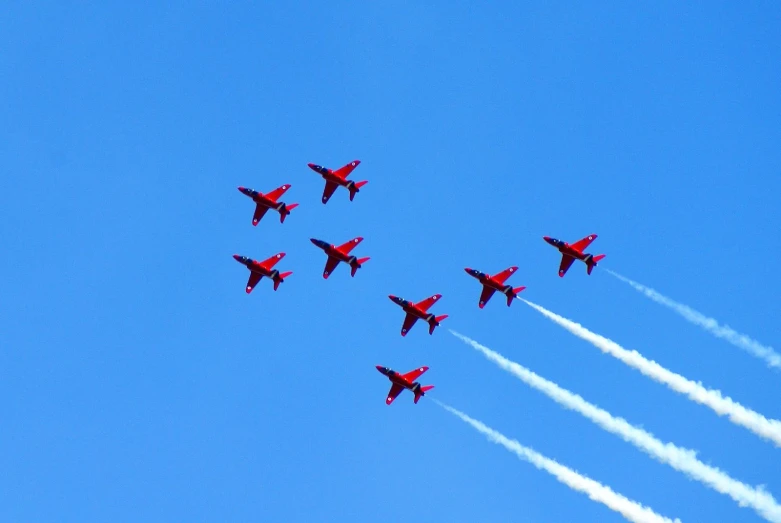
pixel 265 268
pixel 340 254
pixel 494 283
pixel 334 179
pixel 404 381
pixel 416 311
pixel 572 252
pixel 264 202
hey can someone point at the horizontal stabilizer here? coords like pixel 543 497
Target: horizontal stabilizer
pixel 593 262
pixel 435 323
pixel 281 278
pixel 358 265
pixel 514 294
pixel 354 188
pixel 285 211
pixel 422 392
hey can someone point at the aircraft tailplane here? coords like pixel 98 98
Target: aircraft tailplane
pixel 513 294
pixel 593 262
pixel 358 265
pixel 285 211
pixel 356 187
pixel 281 278
pixel 434 323
pixel 422 392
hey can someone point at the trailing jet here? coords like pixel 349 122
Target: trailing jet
pixel 494 283
pixel 416 311
pixel 260 269
pixel 334 179
pixel 569 253
pixel 340 254
pixel 404 381
pixel 264 202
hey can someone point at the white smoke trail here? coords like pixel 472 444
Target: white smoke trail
pixel 723 406
pixel 631 510
pixel 681 459
pixel 724 332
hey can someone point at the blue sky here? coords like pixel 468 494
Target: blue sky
pixel 140 382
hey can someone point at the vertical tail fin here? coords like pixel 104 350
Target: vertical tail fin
pixel 356 187
pixel 513 294
pixel 358 265
pixel 422 392
pixel 281 278
pixel 434 323
pixel 285 211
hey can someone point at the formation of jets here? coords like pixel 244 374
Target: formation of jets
pixel 342 254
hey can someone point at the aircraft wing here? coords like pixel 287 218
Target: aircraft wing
pixel 330 187
pixel 394 391
pixel 270 262
pixel 409 321
pixel 414 374
pixel 502 276
pixel 566 262
pixel 428 302
pixel 260 212
pixel 254 278
pixel 581 244
pixel 346 247
pixel 276 193
pixel 344 172
pixel 486 295
pixel 330 265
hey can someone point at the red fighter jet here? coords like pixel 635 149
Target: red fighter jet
pixel 405 381
pixel 264 202
pixel 334 179
pixel 416 311
pixel 340 254
pixel 569 253
pixel 264 268
pixel 494 283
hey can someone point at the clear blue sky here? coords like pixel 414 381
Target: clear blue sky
pixel 140 383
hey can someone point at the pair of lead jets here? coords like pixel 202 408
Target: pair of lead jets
pixel 264 202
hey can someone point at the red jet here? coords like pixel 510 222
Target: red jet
pixel 494 283
pixel 405 381
pixel 340 254
pixel 264 202
pixel 416 311
pixel 334 179
pixel 260 269
pixel 569 253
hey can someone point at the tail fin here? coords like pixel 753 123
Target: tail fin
pixel 285 211
pixel 434 323
pixel 593 262
pixel 514 294
pixel 281 278
pixel 422 392
pixel 358 265
pixel 356 187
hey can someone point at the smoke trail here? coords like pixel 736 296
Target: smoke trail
pixel 680 459
pixel 631 510
pixel 724 332
pixel 723 406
